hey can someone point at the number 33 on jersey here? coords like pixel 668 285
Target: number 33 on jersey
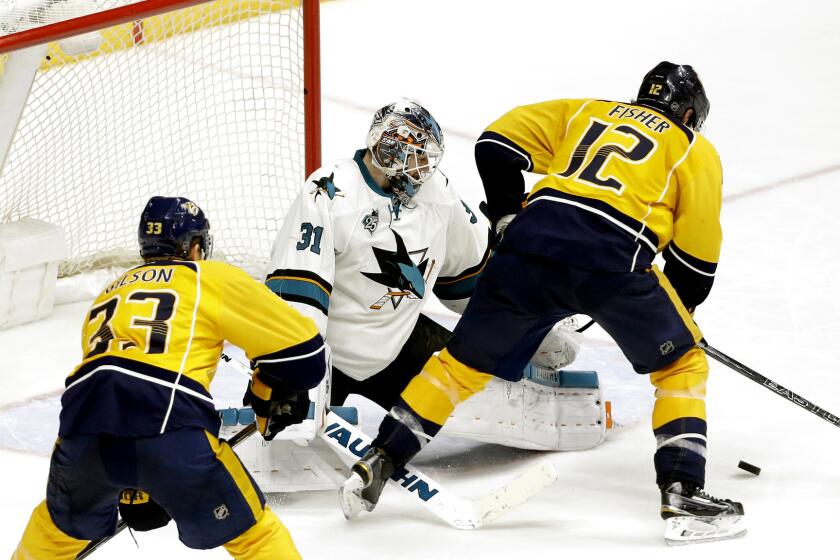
pixel 154 337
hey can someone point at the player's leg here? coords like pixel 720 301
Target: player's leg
pixel 267 539
pixel 507 317
pixel 384 388
pixel 42 539
pixel 80 504
pixel 199 480
pixel 658 336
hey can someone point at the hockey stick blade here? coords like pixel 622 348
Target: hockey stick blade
pixel 351 443
pixel 237 438
pixel 696 530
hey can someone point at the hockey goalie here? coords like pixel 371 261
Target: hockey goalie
pixel 366 241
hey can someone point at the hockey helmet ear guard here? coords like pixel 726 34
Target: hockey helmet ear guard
pixel 674 89
pixel 168 226
pixel 406 144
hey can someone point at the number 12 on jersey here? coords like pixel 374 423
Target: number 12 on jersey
pixel 588 148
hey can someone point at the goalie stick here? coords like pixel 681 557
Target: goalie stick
pixel 237 438
pixel 769 384
pixel 462 513
pixel 351 443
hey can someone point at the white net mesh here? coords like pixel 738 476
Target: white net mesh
pixel 206 102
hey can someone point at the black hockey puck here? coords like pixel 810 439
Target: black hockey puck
pixel 749 468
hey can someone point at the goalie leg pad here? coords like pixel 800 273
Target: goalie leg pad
pixel 292 466
pixel 546 410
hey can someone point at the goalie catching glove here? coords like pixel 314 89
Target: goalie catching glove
pixel 277 407
pixel 560 346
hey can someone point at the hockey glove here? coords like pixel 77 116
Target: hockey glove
pixel 276 407
pixel 497 228
pixel 559 348
pixel 140 511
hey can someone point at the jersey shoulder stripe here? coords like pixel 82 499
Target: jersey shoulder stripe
pixel 301 286
pixel 301 275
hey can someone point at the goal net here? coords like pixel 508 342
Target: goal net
pixel 207 101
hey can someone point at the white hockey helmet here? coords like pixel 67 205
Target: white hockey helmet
pixel 406 144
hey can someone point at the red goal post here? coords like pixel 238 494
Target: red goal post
pixel 108 103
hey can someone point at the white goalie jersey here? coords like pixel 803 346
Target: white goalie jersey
pixel 362 264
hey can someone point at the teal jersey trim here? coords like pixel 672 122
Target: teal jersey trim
pixel 456 290
pixel 357 157
pixel 301 292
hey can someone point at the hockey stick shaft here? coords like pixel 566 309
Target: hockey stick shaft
pixel 351 443
pixel 235 440
pixel 769 384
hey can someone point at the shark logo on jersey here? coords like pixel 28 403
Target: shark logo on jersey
pixel 325 185
pixel 400 274
pixel 371 221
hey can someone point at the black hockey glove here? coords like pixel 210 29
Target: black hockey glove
pixel 276 407
pixel 140 511
pixel 497 227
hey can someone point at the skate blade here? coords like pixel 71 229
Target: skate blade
pixel 696 530
pixel 350 496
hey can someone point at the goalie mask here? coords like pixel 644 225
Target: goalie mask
pixel 406 144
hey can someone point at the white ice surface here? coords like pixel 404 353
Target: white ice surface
pixel 771 73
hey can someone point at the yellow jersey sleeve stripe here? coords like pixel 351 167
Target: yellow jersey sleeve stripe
pixel 233 466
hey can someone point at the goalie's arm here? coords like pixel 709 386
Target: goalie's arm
pixel 467 253
pixel 302 266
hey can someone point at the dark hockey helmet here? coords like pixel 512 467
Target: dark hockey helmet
pixel 169 224
pixel 406 143
pixel 674 89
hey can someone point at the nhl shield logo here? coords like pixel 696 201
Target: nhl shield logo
pixel 221 512
pixel 666 347
pixel 371 221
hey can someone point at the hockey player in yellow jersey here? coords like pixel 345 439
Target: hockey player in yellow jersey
pixel 622 182
pixel 137 411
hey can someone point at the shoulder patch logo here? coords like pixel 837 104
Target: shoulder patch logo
pixel 371 221
pixel 191 208
pixel 325 185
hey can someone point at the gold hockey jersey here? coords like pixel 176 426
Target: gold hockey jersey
pixel 622 183
pixel 152 340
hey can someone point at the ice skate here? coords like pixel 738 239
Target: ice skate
pixel 362 490
pixel 694 516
